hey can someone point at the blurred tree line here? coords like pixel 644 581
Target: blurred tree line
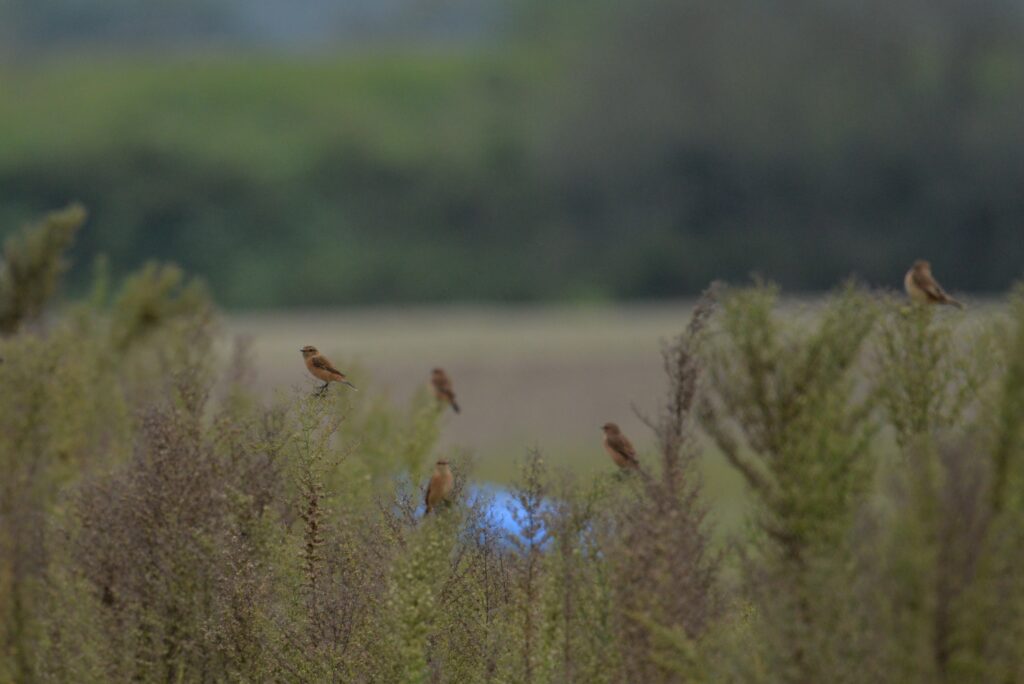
pixel 590 151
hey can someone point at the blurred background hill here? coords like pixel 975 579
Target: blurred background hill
pixel 401 151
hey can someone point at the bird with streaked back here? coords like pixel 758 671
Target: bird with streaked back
pixel 619 447
pixel 922 287
pixel 321 368
pixel 442 386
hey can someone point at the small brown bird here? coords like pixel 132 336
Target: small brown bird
pixel 620 448
pixel 440 486
pixel 443 388
pixel 322 368
pixel 923 288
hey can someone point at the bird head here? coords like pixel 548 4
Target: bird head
pixel 437 371
pixel 308 350
pixel 610 428
pixel 443 463
pixel 923 266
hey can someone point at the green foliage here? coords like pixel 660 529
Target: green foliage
pixel 1008 451
pixel 527 653
pixel 990 591
pixel 149 300
pixel 579 596
pixel 162 521
pixel 393 441
pixel 414 617
pixel 790 398
pixel 785 410
pixel 927 377
pixel 33 262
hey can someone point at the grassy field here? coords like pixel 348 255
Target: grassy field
pixel 532 376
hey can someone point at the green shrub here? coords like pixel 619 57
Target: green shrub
pixel 33 262
pixel 785 408
pixel 161 520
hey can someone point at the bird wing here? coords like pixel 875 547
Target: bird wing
pixel 323 364
pixel 623 446
pixel 443 387
pixel 929 286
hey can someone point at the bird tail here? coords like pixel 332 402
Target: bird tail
pixel 954 302
pixel 346 382
pixel 455 406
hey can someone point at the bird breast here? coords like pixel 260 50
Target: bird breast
pixel 915 292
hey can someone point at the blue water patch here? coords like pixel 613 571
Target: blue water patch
pixel 507 513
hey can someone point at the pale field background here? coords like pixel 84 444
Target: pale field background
pixel 540 376
pixel 545 377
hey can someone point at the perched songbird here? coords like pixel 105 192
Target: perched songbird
pixel 923 288
pixel 322 368
pixel 620 448
pixel 440 486
pixel 443 388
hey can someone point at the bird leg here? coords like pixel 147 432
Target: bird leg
pixel 321 390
